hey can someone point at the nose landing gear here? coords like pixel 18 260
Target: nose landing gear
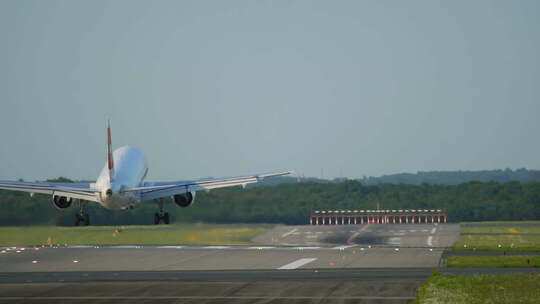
pixel 158 217
pixel 82 216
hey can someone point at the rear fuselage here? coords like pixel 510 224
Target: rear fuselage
pixel 130 169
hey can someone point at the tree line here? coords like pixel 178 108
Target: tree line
pixel 291 203
pixel 455 177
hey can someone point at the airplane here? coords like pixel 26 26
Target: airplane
pixel 121 185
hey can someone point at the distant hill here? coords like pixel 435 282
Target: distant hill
pixel 426 177
pixel 455 177
pixel 287 179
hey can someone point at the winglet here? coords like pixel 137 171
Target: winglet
pixel 110 162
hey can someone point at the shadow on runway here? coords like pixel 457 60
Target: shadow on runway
pixel 362 239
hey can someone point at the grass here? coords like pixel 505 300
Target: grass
pixel 479 289
pixel 494 261
pixel 506 227
pixel 194 234
pixel 501 223
pixel 513 237
pixel 498 242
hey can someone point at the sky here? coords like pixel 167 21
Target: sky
pixel 225 88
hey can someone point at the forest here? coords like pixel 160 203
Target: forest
pixel 291 203
pixel 455 177
pixel 428 177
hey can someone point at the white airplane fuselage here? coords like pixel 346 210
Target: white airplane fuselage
pixel 130 169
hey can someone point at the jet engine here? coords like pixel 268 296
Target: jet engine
pixel 61 202
pixel 184 200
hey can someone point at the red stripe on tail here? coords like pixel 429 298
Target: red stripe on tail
pixel 109 148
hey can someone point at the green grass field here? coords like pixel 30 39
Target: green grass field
pixel 494 261
pixel 479 289
pixel 503 223
pixel 503 227
pixel 189 234
pixel 513 237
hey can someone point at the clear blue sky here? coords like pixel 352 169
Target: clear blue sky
pixel 220 88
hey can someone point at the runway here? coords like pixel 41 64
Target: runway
pixel 388 235
pixel 265 291
pixel 356 274
pixel 225 258
pixel 303 264
pixel 366 285
pixel 285 247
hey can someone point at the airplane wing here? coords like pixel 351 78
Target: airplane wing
pixel 153 190
pixel 73 190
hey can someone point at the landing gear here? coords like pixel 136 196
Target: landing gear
pixel 161 215
pixel 84 219
pixel 82 216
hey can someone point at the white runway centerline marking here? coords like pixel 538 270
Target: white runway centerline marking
pixel 289 233
pixel 298 263
pixel 343 247
pixel 394 240
pixel 433 230
pixel 217 247
pixel 430 240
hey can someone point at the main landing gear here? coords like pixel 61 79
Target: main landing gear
pixel 82 216
pixel 161 215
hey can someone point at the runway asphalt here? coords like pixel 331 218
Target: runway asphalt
pixel 261 291
pixel 366 285
pixel 285 247
pixel 359 274
pixel 222 258
pixel 392 235
pixel 304 264
pixel 288 264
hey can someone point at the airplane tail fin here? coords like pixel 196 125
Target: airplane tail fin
pixel 110 161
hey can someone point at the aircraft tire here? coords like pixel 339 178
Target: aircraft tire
pixel 77 219
pixel 166 218
pixel 157 218
pixel 86 219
